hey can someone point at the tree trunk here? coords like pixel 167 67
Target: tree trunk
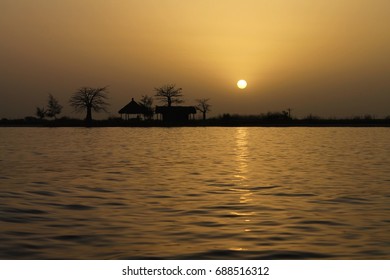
pixel 88 118
pixel 204 115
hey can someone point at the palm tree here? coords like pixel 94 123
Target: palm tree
pixel 88 99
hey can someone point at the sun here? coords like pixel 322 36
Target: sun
pixel 242 84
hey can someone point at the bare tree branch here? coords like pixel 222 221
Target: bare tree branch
pixel 203 106
pixel 88 99
pixel 169 94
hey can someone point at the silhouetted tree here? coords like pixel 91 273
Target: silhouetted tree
pixel 276 116
pixel 40 112
pixel 203 106
pixel 53 107
pixel 289 112
pixel 311 117
pixel 147 103
pixel 368 117
pixel 169 94
pixel 88 99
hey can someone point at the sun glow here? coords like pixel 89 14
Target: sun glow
pixel 242 84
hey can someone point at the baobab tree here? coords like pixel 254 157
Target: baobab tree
pixel 169 94
pixel 203 106
pixel 89 99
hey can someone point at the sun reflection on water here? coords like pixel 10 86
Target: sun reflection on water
pixel 241 152
pixel 242 186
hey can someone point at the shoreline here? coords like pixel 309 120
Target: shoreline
pixel 207 123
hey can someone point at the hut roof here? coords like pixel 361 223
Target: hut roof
pixel 176 109
pixel 132 108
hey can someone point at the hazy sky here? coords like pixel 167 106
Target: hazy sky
pixel 328 58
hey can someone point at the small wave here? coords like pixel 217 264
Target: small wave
pixel 25 219
pixel 115 172
pixel 276 238
pixel 18 252
pixel 304 228
pixel 44 193
pixel 40 183
pixel 349 200
pixel 74 238
pixel 101 190
pixel 111 179
pixel 91 197
pixel 321 222
pixel 259 188
pixel 196 212
pixel 17 233
pixel 160 196
pixel 374 254
pixel 114 204
pixel 224 207
pixel 270 223
pixel 292 194
pixel 221 185
pixel 22 211
pixel 11 195
pixel 208 224
pixel 78 207
pixel 256 255
pixel 194 194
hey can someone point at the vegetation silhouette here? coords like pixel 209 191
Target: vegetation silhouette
pixel 40 112
pixel 147 103
pixel 95 99
pixel 53 107
pixel 89 99
pixel 203 106
pixel 169 94
pixel 270 119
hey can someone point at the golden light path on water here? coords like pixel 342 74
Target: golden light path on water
pixel 240 177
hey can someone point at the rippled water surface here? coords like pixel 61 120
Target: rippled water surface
pixel 198 193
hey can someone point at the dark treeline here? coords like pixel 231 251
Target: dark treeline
pixel 283 119
pixel 142 114
pixel 266 119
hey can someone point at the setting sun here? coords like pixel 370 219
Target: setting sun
pixel 242 84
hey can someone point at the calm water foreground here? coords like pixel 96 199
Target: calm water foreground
pixel 196 193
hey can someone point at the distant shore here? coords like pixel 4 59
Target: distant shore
pixel 213 122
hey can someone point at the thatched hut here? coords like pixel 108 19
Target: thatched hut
pixel 133 108
pixel 175 113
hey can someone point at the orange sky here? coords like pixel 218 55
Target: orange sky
pixel 328 58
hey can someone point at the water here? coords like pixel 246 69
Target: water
pixel 195 193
